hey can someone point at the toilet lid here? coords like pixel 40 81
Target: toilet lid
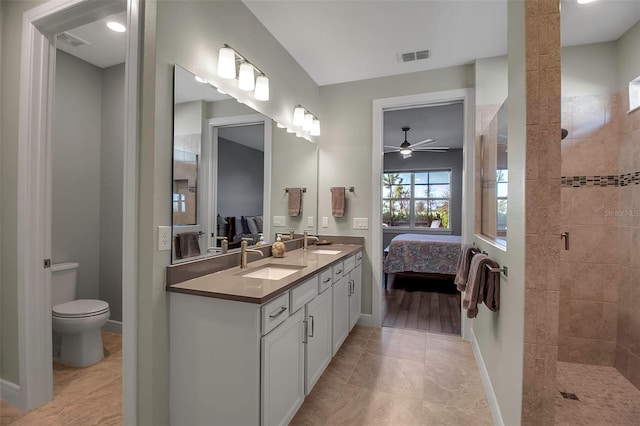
pixel 80 308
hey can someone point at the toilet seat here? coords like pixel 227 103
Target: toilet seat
pixel 81 308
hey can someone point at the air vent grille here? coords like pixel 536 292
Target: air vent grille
pixel 71 40
pixel 414 56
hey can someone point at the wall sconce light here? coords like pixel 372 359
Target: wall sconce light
pixel 230 61
pixel 306 121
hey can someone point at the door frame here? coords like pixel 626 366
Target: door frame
pixel 467 96
pixel 37 70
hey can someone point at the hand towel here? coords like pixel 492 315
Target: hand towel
pixel 337 201
pixel 492 288
pixel 462 269
pixel 475 284
pixel 187 245
pixel 295 201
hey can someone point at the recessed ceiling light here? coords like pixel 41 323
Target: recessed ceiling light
pixel 116 26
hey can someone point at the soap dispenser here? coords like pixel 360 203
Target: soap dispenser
pixel 260 242
pixel 278 249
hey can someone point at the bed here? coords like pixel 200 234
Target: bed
pixel 422 253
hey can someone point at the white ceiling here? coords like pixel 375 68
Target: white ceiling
pixel 341 41
pixel 104 47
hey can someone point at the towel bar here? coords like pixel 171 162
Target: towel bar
pixel 349 188
pixel 304 189
pixel 504 269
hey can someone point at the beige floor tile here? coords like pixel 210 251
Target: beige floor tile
pixel 389 374
pixel 436 414
pixel 366 406
pixel 399 344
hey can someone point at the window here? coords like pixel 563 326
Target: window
pixel 502 191
pixel 634 94
pixel 416 199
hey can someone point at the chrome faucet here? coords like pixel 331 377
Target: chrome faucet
pixel 291 231
pixel 243 252
pixel 224 244
pixel 305 242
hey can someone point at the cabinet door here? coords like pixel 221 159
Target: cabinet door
pixel 319 344
pixel 355 303
pixel 340 312
pixel 283 371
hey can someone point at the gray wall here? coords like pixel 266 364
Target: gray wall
pixel 77 121
pixel 111 183
pixel 451 159
pixel 240 179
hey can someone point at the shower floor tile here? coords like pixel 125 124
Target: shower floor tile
pixel 605 396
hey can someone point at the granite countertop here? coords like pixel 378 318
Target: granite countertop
pixel 231 284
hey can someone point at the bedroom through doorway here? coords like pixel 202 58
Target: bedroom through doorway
pixel 422 216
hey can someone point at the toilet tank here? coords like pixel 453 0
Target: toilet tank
pixel 63 282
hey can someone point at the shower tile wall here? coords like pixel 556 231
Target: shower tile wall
pixel 542 194
pixel 627 355
pixel 590 272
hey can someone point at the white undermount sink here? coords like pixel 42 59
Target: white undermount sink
pixel 272 272
pixel 325 251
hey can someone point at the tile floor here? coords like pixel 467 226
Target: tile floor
pixel 395 376
pixel 82 396
pixel 605 396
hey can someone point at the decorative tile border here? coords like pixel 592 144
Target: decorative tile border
pixel 609 180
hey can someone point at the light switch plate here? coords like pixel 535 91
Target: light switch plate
pixel 279 221
pixel 310 221
pixel 325 222
pixel 360 223
pixel 164 238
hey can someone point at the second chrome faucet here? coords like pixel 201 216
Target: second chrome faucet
pixel 306 236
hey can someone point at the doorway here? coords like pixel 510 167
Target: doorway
pixel 380 107
pixel 38 61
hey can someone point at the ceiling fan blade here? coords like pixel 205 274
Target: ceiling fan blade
pixel 392 147
pixel 423 142
pixel 426 148
pixel 430 150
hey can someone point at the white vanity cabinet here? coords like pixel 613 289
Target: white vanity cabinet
pixel 340 306
pixel 319 344
pixel 283 371
pixel 355 290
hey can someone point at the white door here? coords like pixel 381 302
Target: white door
pixel 340 312
pixel 319 344
pixel 355 304
pixel 283 371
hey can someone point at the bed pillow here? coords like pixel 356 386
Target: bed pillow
pixel 259 221
pixel 253 225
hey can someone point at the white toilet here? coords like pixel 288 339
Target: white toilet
pixel 76 322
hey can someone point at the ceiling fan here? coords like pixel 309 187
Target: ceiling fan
pixel 406 148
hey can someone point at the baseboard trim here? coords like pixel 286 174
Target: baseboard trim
pixel 366 320
pixel 486 382
pixel 113 327
pixel 10 392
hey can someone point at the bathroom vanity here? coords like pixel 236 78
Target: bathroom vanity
pixel 247 345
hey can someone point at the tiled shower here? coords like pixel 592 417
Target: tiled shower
pixel 599 317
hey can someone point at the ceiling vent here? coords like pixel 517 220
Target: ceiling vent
pixel 71 40
pixel 414 56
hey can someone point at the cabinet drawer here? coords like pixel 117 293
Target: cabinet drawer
pixel 274 312
pixel 303 293
pixel 349 264
pixel 338 271
pixel 326 278
pixel 359 258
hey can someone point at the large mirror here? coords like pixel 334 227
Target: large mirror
pixel 231 170
pixel 495 177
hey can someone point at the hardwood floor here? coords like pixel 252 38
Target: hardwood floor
pixel 408 305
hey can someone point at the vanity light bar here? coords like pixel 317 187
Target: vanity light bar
pixel 232 64
pixel 306 120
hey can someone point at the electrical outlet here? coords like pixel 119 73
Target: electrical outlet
pixel 325 222
pixel 279 221
pixel 310 222
pixel 164 238
pixel 360 223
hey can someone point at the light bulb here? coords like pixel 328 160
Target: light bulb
pixel 298 116
pixel 116 26
pixel 308 122
pixel 226 63
pixel 262 88
pixel 315 127
pixel 246 80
